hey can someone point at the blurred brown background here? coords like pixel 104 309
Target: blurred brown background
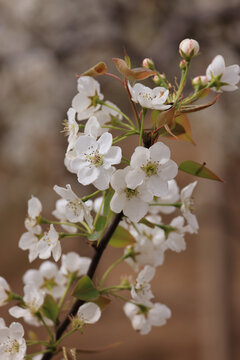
pixel 43 44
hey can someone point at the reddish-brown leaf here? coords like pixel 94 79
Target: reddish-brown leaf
pixel 132 74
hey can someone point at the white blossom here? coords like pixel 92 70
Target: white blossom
pixel 142 321
pixel 141 292
pixel 188 206
pixel 149 247
pixel 89 313
pixel 49 243
pixel 72 128
pixel 171 198
pixel 149 98
pixel 33 299
pixel 84 101
pixel 132 201
pixel 75 210
pixel 48 279
pixel 60 214
pixel 74 264
pixel 12 344
pixel 226 77
pixel 29 241
pixel 34 210
pixel 4 291
pixel 152 166
pixel 94 160
pixel 175 240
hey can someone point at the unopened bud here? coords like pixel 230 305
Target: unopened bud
pixel 148 63
pixel 183 64
pixel 188 48
pixel 200 81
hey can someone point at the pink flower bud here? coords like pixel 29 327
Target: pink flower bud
pixel 188 48
pixel 148 63
pixel 182 64
pixel 200 80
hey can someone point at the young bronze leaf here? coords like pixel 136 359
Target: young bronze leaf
pixel 194 108
pixel 98 69
pixel 185 123
pixel 200 170
pixel 132 74
pixel 85 290
pixel 121 238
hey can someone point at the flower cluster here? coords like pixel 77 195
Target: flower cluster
pixel 127 209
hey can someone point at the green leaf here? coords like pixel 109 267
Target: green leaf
pixel 85 289
pixel 200 170
pixel 121 238
pixel 50 308
pixel 101 222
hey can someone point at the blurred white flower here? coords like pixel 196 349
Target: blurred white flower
pixel 4 291
pixel 74 264
pixel 175 240
pixel 170 198
pixel 34 210
pixel 29 241
pixel 188 206
pixel 226 77
pixel 12 344
pixel 47 279
pixel 143 320
pixel 141 292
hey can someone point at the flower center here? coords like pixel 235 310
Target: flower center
pixel 75 207
pixel 12 346
pixel 189 204
pixel 95 158
pixel 150 168
pixel 49 284
pixel 130 193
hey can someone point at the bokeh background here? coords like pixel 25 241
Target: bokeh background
pixel 43 44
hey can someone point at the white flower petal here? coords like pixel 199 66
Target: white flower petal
pixel 118 202
pixel 89 313
pixel 104 143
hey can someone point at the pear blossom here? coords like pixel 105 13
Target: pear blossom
pixel 132 201
pixel 33 299
pixel 72 128
pixel 187 207
pixel 143 320
pixel 189 48
pixel 141 292
pixel 89 313
pixel 29 241
pixel 170 198
pixel 149 247
pixel 175 239
pixel 85 101
pixel 34 210
pixel 75 210
pixel 47 279
pixel 12 344
pixel 60 214
pixel 225 77
pixel 152 166
pixel 49 243
pixel 4 291
pixel 149 98
pixel 73 264
pixel 94 160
